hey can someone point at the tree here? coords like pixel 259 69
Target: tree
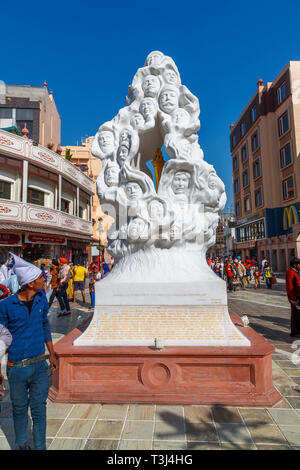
pixel 68 154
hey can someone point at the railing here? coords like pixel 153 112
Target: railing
pixel 11 144
pixel 12 211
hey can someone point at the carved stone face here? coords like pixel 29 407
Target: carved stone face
pixel 125 136
pixel 111 176
pixel 175 232
pixel 135 228
pixel 151 85
pixel 106 142
pixel 154 58
pixel 122 154
pixel 180 182
pixel 137 121
pixel 171 77
pixel 147 108
pixel 180 117
pixel 133 191
pixel 156 210
pixel 168 100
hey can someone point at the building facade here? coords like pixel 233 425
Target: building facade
pixel 265 144
pixel 45 202
pixel 224 245
pixel 34 106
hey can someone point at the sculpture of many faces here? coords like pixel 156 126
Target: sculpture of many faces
pixel 180 182
pixel 106 142
pixel 156 210
pixel 122 154
pixel 137 121
pixel 151 86
pixel 136 228
pixel 148 108
pixel 154 58
pixel 133 191
pixel 171 77
pixel 180 117
pixel 111 176
pixel 168 99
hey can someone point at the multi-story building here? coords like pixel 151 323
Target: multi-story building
pixel 224 241
pixel 45 202
pixel 34 106
pixel 265 144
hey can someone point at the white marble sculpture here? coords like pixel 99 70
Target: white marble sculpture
pixel 160 237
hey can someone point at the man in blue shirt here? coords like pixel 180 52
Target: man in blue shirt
pixel 24 314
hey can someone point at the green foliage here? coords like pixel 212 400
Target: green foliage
pixel 68 154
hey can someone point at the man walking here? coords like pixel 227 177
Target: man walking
pixel 62 297
pixel 292 285
pixel 80 273
pixel 24 314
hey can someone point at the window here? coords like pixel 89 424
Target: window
pixel 5 190
pixel 256 169
pixel 254 141
pixel 245 178
pixel 64 205
pixel 288 188
pixel 5 113
pixel 244 153
pixel 247 204
pixel 285 155
pixel 281 93
pixel 243 128
pixel 234 140
pixel 236 185
pixel 237 209
pixel 22 116
pixel 253 114
pixel 34 196
pixel 258 197
pixel 81 212
pixel 235 162
pixel 283 124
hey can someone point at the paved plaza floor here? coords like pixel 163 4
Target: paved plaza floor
pixel 193 427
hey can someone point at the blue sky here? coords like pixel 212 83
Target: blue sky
pixel 89 51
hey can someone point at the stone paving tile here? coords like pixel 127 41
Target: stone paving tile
pixel 292 372
pixel 107 430
pixel 254 416
pixel 101 444
pixel 117 412
pixel 169 431
pixel 294 401
pixel 236 446
pixel 4 444
pixel 289 391
pixel 292 434
pixel 58 410
pixel 53 425
pixel 266 434
pixel 287 364
pixel 135 444
pixel 226 415
pixel 297 380
pixel 168 412
pixel 285 416
pixel 76 428
pixel 233 433
pixel 283 404
pixel 203 446
pixel 142 412
pixel 198 414
pixel 201 432
pixel 67 444
pixel 169 445
pixel 138 430
pixel 272 447
pixel 85 411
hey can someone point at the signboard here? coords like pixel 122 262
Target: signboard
pixel 45 239
pixel 10 239
pixel 95 251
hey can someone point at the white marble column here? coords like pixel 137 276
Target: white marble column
pixel 77 201
pixel 59 192
pixel 25 181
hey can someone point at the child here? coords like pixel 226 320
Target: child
pixel 94 276
pixel 257 277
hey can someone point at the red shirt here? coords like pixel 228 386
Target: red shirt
pixel 257 274
pixel 292 284
pixel 229 270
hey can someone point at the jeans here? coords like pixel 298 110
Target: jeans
pixel 52 296
pixel 92 294
pixel 29 385
pixel 63 298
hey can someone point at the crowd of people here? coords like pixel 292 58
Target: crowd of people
pixel 62 281
pixel 239 273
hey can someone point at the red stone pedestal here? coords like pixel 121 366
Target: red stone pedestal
pixel 239 376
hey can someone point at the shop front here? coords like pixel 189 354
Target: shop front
pixel 10 242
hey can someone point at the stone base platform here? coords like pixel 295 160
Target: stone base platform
pixel 239 376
